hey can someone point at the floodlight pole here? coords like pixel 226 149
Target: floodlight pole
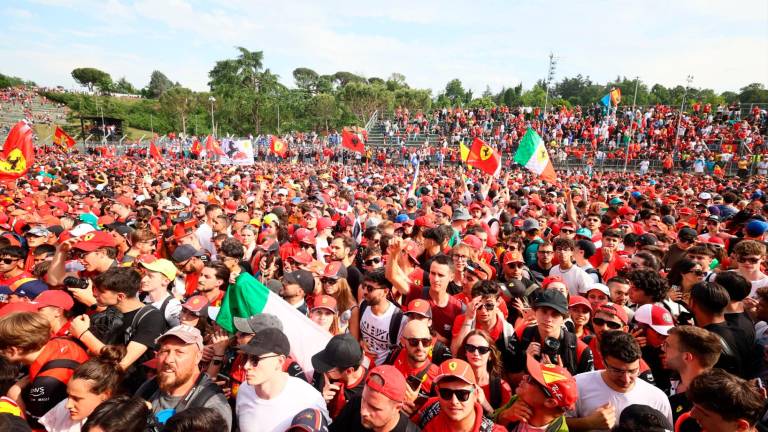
pixel 688 81
pixel 632 128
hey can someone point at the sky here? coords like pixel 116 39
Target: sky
pixel 722 44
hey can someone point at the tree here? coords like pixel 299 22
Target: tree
pixel 306 79
pixel 158 84
pixel 323 108
pixel 753 93
pixel 342 78
pixel 376 80
pixel 454 91
pixel 363 99
pixel 178 102
pixel 413 99
pixel 534 97
pixel 123 86
pixel 91 77
pixel 487 93
pixel 396 81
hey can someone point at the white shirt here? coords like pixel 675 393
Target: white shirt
pixel 275 415
pixel 172 310
pixel 594 392
pixel 204 234
pixel 58 420
pixel 576 279
pixel 374 330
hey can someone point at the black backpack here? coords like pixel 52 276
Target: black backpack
pixel 394 323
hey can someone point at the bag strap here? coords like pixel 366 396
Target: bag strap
pixel 394 326
pixel 59 364
pixel 494 387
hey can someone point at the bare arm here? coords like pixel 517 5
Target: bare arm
pixel 57 272
pixel 393 272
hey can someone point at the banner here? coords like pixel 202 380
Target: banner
pixel 236 152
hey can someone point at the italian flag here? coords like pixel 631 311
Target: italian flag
pixel 532 154
pixel 247 297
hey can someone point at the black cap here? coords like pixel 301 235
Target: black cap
pixel 309 420
pixel 687 234
pixel 269 340
pixel 553 299
pixel 646 239
pixel 185 252
pixel 120 228
pixel 302 278
pixel 342 351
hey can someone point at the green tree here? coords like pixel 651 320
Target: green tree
pixel 178 103
pixel 534 97
pixel 91 77
pixel 455 92
pixel 123 86
pixel 396 81
pixel 363 99
pixel 323 108
pixel 413 99
pixel 306 79
pixel 753 93
pixel 487 93
pixel 376 80
pixel 158 84
pixel 342 78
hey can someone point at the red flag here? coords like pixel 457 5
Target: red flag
pixel 212 146
pixel 196 148
pixel 63 140
pixel 18 153
pixel 352 141
pixel 278 147
pixel 154 152
pixel 484 157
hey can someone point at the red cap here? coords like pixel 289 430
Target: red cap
pixel 556 379
pixel 195 304
pixel 325 301
pixel 473 241
pixel 413 250
pixel 551 208
pixel 301 257
pixel 549 279
pixel 335 270
pixel 685 211
pixel 627 210
pixel 423 221
pixel 93 240
pixel 475 206
pixel 393 383
pixel 455 368
pixel 54 297
pixel 124 200
pixel 325 222
pixel 512 257
pixel 183 229
pixel 579 300
pixel 420 307
pixel 536 201
pixel 655 316
pixel 615 310
pixel 230 207
pixel 446 210
pixel 21 306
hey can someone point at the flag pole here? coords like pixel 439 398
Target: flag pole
pixel 632 128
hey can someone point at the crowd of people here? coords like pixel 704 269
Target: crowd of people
pixel 133 295
pixel 27 102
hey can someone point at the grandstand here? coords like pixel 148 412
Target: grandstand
pixel 17 104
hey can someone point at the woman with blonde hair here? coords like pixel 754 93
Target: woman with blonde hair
pixel 334 282
pixel 325 313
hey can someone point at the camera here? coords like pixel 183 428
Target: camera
pixel 75 282
pixel 551 348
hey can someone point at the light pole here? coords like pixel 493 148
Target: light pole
pixel 688 81
pixel 632 128
pixel 212 100
pixel 550 77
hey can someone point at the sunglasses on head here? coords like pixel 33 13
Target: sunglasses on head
pixel 482 350
pixel 414 342
pixel 372 261
pixel 610 324
pixel 461 394
pixel 750 260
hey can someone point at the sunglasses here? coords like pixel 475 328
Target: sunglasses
pixel 546 252
pixel 254 359
pixel 567 231
pixel 697 272
pixel 482 350
pixel 462 394
pixel 415 342
pixel 529 379
pixel 516 265
pixel 751 260
pixel 461 257
pixel 488 306
pixel 610 324
pixel 372 261
pixel 8 260
pixel 328 281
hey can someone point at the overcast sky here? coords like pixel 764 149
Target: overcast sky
pixel 723 44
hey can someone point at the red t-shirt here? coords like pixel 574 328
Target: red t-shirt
pixel 442 317
pixel 439 423
pixel 495 331
pixel 401 364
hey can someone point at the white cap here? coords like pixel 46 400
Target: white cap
pixel 657 317
pixel 705 196
pixel 598 286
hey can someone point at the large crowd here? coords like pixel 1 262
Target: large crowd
pixel 133 297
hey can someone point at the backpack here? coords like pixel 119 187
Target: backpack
pixel 149 389
pixel 105 326
pixel 394 323
pixel 574 351
pixel 494 390
pixel 593 271
pixel 137 320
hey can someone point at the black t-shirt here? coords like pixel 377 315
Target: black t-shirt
pixel 144 329
pixel 740 360
pixel 514 360
pixel 742 321
pixel 680 405
pixel 354 276
pixel 349 420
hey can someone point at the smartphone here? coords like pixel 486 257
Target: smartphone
pixel 413 382
pixel 547 232
pixel 222 377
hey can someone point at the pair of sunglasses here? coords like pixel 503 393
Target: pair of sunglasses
pixel 461 394
pixel 482 350
pixel 610 324
pixel 414 342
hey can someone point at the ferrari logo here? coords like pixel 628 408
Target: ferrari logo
pixel 486 153
pixel 88 237
pixel 452 366
pixel 16 163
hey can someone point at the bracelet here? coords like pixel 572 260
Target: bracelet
pixel 219 357
pixel 469 323
pixel 81 334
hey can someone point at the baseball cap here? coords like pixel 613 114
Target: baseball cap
pixel 756 228
pixel 269 340
pixel 56 298
pixel 687 234
pixel 185 252
pixel 413 250
pixel 257 323
pixel 18 307
pixel 160 265
pixel 556 379
pixel 643 417
pixel 392 382
pixel 705 196
pixel 324 301
pixel 615 310
pixel 479 269
pixel 584 232
pixel 455 368
pixel 38 232
pixel 460 214
pixel 530 224
pixel 473 241
pixel 302 278
pixel 197 305
pixel 579 300
pixel 552 299
pixel 188 334
pixel 596 286
pixel 309 420
pixel 342 351
pixel 93 240
pixel 655 316
pixel 512 257
pixel 325 222
pixel 419 307
pixel 335 270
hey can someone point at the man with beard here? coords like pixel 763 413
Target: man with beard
pixel 213 278
pixel 415 364
pixel 179 384
pixel 344 248
pixel 190 262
